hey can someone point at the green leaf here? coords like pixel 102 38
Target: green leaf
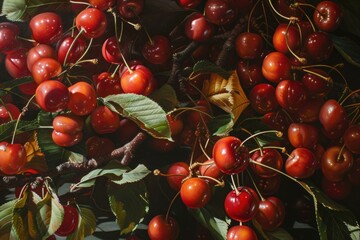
pixel 165 97
pixel 144 111
pixel 135 175
pixel 210 67
pixel 14 9
pixel 111 170
pixel 16 82
pixel 19 218
pixel 221 125
pixel 86 225
pixel 49 215
pixel 7 129
pixel 218 227
pixel 348 48
pixel 129 203
pixel 6 214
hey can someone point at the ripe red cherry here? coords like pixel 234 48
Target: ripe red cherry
pixel 271 213
pixel 276 67
pixel 15 63
pixel 303 135
pixel 162 145
pixel 301 163
pixel 103 120
pixel 249 45
pixel 12 158
pixel 336 162
pixel 8 37
pixel 70 221
pixel 76 51
pixel 220 12
pixel 46 27
pixel 160 228
pixel 138 80
pixel 65 139
pixel 82 99
pixel 52 96
pixel 68 123
pixel 102 4
pixel 339 190
pixel 127 131
pixel 262 98
pixel 242 205
pixel 278 120
pixel 333 116
pixel 176 124
pixel 45 69
pixel 195 192
pixel 210 169
pixel 286 8
pixel 309 112
pixel 269 157
pixel 279 38
pixel 107 84
pixel 315 85
pixel 249 74
pixel 92 21
pixel 8 112
pixel 111 52
pixel 37 52
pixel 97 146
pixel 327 16
pixel 157 50
pixel 130 8
pixel 241 233
pixel 229 156
pixel 198 28
pixel 318 46
pixel 177 172
pixel 352 138
pixel 268 186
pixel 189 4
pixel 291 95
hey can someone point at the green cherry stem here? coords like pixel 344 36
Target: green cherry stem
pixel 278 134
pixel 279 14
pixel 283 149
pixel 218 182
pixel 169 208
pixel 82 3
pixel 80 60
pixel 72 45
pixel 300 59
pixel 234 185
pixel 274 169
pixel 348 96
pixel 18 119
pixel 256 140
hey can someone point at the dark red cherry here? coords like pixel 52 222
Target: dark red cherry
pixel 339 190
pixel 92 22
pixel 8 112
pixel 241 204
pixel 309 112
pixel 286 8
pixel 76 51
pixel 157 50
pixel 102 4
pixel 8 37
pixel 354 173
pixel 198 28
pixel 107 84
pixel 52 96
pixel 249 73
pixel 278 120
pixel 318 46
pixel 220 12
pixel 318 84
pixel 303 135
pixel 268 186
pixel 269 157
pixel 352 138
pixel 336 162
pixel 333 116
pixel 130 8
pixel 249 45
pixel 291 95
pixel 271 213
pixel 262 98
pixel 328 15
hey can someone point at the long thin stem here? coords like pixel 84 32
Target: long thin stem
pixel 72 45
pixel 169 208
pixel 255 186
pixel 274 169
pixel 278 134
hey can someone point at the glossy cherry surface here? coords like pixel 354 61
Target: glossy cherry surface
pixel 195 192
pixel 13 158
pixel 160 228
pixel 220 12
pixel 336 162
pixel 276 67
pixel 249 45
pixel 291 95
pixel 328 16
pixel 92 21
pixel 271 213
pixel 46 27
pixel 241 233
pixel 301 163
pixel 158 50
pixel 262 98
pixel 198 28
pixel 76 51
pixel 70 221
pixel 82 99
pixel 45 69
pixel 8 112
pixel 269 157
pixel 52 96
pixel 103 120
pixel 303 135
pixel 176 174
pixel 130 8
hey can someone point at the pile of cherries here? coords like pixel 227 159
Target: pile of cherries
pixel 288 86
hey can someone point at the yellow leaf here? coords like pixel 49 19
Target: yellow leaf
pixel 35 158
pixel 226 94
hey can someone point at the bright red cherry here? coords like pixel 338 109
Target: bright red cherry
pixel 46 27
pixel 82 99
pixel 198 28
pixel 139 79
pixel 12 158
pixel 303 135
pixel 328 15
pixel 70 221
pixel 209 168
pixel 242 205
pixel 68 123
pixel 52 96
pixel 284 33
pixel 177 172
pixel 8 112
pixel 301 163
pixel 195 192
pixel 103 120
pixel 39 51
pixel 107 84
pixel 241 233
pixel 262 98
pixel 271 213
pixel 269 157
pixel 15 63
pixel 92 21
pixel 160 228
pixel 45 69
pixel 229 156
pixel 111 52
pixel 102 4
pixel 76 51
pixel 276 67
pixel 65 139
pixel 157 50
pixel 291 95
pixel 249 45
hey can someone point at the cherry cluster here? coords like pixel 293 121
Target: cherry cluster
pixel 281 56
